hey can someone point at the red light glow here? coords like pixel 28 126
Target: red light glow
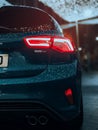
pixel 69 95
pixel 68 92
pixel 57 43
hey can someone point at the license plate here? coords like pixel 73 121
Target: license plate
pixel 3 60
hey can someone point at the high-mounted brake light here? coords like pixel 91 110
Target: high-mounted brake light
pixel 57 43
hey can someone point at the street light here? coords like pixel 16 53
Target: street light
pixel 97 38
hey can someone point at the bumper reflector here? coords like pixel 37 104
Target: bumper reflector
pixel 69 95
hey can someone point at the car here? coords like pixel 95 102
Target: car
pixel 40 71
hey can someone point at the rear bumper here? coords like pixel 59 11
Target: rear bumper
pixel 41 98
pixel 28 114
pixel 51 94
pixel 43 105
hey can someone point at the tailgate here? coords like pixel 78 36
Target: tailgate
pixel 17 60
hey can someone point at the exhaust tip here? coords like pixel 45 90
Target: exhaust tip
pixel 32 120
pixel 43 120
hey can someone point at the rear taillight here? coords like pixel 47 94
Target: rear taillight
pixel 57 43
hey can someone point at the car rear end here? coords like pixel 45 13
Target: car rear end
pixel 40 74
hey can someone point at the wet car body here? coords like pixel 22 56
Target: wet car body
pixel 39 86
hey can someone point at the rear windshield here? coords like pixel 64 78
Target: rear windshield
pixel 24 19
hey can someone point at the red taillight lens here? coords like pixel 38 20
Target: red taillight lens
pixel 38 41
pixel 57 43
pixel 62 44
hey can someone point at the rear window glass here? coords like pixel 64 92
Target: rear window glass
pixel 20 19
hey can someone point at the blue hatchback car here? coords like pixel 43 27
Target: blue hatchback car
pixel 40 71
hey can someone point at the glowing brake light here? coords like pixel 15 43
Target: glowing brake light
pixel 62 44
pixel 38 42
pixel 57 43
